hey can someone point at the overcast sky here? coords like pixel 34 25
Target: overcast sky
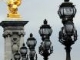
pixel 35 11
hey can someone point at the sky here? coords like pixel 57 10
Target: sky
pixel 35 11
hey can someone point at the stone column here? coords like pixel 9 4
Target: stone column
pixel 14 37
pixel 8 52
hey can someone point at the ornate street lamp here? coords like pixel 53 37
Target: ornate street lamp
pixel 45 30
pixel 23 51
pixel 68 33
pixel 66 11
pixel 31 43
pixel 17 56
pixel 46 47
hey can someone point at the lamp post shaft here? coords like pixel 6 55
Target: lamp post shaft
pixel 45 57
pixel 68 49
pixel 31 58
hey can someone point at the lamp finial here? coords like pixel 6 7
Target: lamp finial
pixel 31 35
pixel 45 21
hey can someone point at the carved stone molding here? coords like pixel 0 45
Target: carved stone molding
pixel 7 33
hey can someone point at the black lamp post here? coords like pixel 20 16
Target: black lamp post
pixel 23 51
pixel 46 47
pixel 31 43
pixel 68 33
pixel 17 56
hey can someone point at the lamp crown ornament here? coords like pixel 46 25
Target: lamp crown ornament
pixel 31 35
pixel 23 44
pixel 45 21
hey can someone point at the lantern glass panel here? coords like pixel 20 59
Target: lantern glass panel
pixel 68 11
pixel 24 58
pixel 23 50
pixel 31 42
pixel 74 10
pixel 45 31
pixel 50 31
pixel 17 56
pixel 60 12
pixel 69 27
pixel 32 53
pixel 47 43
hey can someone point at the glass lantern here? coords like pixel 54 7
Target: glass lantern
pixel 47 43
pixel 32 53
pixel 17 56
pixel 45 30
pixel 23 50
pixel 67 10
pixel 31 42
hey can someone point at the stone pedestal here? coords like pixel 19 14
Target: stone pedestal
pixel 14 37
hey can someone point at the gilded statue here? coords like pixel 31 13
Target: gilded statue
pixel 13 8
